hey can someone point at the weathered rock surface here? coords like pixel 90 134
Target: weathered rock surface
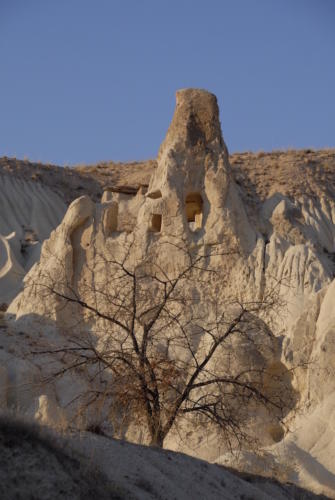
pixel 37 463
pixel 277 238
pixel 28 214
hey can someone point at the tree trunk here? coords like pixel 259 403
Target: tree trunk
pixel 157 439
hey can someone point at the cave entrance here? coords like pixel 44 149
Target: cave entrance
pixel 194 210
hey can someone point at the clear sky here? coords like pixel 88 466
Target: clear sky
pixel 89 80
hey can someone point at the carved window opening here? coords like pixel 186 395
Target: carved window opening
pixel 194 210
pixel 156 223
pixel 110 220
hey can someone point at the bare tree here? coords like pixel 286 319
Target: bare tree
pixel 167 345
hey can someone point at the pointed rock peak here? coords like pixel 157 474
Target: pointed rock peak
pixel 195 124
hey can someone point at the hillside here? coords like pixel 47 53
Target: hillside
pixel 259 175
pixel 39 464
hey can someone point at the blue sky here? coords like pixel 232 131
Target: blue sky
pixel 91 80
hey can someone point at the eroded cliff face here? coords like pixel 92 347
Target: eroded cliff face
pixel 191 198
pixel 273 241
pixel 28 214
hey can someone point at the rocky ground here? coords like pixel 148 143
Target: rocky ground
pixel 39 464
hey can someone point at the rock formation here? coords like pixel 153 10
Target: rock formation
pixel 281 243
pixel 28 214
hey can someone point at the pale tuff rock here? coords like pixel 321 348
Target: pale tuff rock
pixel 192 198
pixel 11 272
pixel 49 413
pixel 28 214
pixel 191 188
